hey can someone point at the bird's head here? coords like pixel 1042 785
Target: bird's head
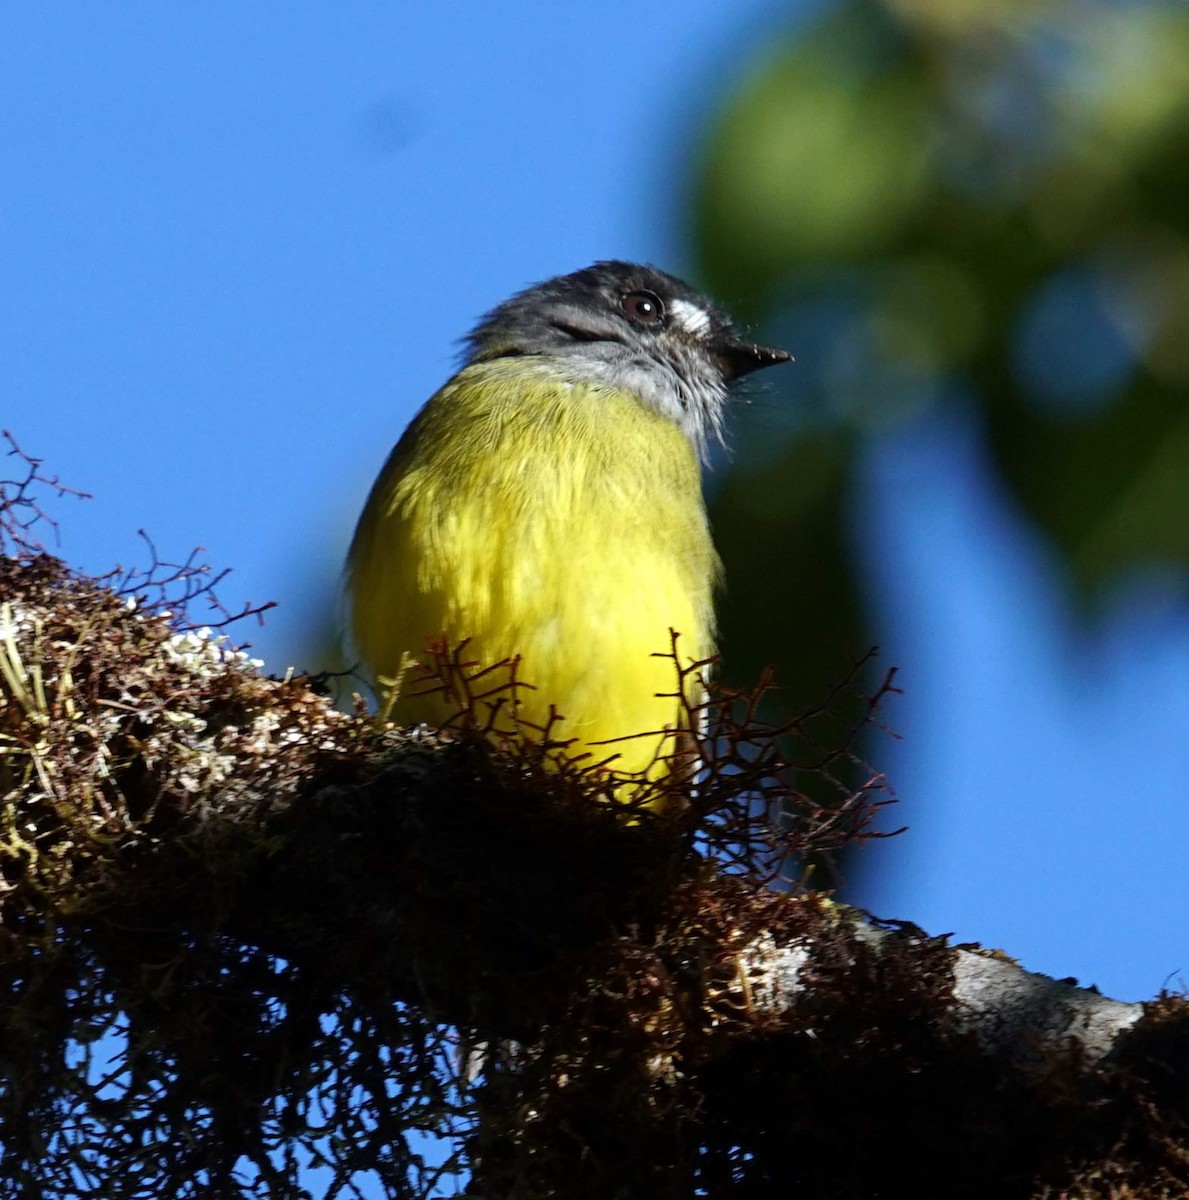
pixel 632 327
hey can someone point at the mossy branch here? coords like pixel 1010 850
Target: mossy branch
pixel 244 936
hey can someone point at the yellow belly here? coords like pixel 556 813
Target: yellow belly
pixel 560 523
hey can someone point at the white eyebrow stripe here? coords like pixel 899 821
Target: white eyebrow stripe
pixel 689 316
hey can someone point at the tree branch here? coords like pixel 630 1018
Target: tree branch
pixel 236 923
pixel 1016 1014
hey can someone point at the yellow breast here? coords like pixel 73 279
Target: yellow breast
pixel 557 522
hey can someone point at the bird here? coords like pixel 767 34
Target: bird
pixel 544 513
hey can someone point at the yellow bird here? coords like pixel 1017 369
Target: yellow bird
pixel 546 505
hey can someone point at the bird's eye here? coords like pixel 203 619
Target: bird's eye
pixel 644 308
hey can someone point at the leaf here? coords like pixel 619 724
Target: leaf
pixel 998 195
pixel 791 599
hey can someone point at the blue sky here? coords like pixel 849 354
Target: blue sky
pixel 240 243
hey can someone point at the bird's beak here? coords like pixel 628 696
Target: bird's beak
pixel 741 358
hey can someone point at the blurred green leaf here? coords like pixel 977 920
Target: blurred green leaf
pixel 789 575
pixel 979 198
pixel 822 155
pixel 1113 491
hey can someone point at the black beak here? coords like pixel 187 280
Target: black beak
pixel 741 358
